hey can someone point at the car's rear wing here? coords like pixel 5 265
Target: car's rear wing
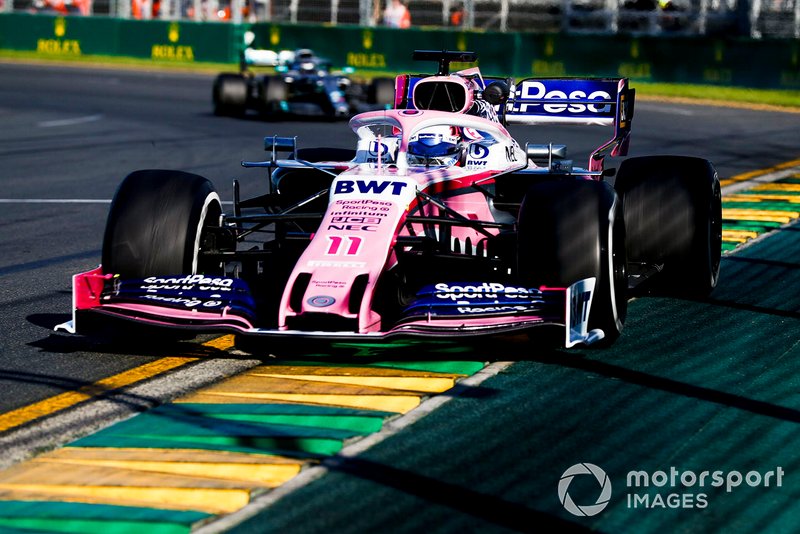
pixel 582 101
pixel 579 101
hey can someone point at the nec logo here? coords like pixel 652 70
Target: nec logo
pixel 344 187
pixel 511 155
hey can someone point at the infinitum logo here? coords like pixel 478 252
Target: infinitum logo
pixel 581 470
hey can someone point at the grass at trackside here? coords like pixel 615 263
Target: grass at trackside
pixel 770 97
pixel 116 62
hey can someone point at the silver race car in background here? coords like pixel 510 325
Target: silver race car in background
pixel 302 84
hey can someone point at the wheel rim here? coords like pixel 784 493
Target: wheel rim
pixel 212 208
pixel 618 268
pixel 715 233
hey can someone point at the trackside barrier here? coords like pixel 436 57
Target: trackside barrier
pixel 86 36
pixel 764 63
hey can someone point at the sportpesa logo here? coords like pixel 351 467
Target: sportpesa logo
pixel 582 470
pixel 485 290
pixel 191 279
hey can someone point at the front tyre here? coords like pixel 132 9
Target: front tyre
pixel 157 223
pixel 273 92
pixel 381 92
pixel 571 230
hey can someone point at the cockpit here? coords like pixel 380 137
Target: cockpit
pixel 435 146
pixel 413 139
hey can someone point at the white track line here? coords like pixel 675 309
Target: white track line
pixel 53 201
pixel 69 122
pixel 727 190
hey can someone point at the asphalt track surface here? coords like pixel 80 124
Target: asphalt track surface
pixel 700 386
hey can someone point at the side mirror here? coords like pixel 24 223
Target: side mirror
pixel 277 144
pixel 553 156
pixel 496 93
pixel 545 152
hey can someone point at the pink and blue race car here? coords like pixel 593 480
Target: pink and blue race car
pixel 438 224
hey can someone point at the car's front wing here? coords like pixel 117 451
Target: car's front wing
pixel 205 304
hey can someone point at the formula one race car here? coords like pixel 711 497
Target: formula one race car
pixel 438 224
pixel 303 84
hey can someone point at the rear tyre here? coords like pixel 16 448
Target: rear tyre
pixel 156 225
pixel 673 218
pixel 230 95
pixel 272 93
pixel 381 92
pixel 571 230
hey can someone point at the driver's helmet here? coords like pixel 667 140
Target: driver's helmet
pixel 304 61
pixel 438 145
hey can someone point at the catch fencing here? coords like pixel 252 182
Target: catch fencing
pixel 730 18
pixel 766 63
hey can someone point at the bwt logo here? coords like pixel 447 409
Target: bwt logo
pixel 478 151
pixel 375 187
pixel 376 148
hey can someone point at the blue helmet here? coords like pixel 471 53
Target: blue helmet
pixel 434 142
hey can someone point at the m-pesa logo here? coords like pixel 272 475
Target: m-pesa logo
pixel 531 93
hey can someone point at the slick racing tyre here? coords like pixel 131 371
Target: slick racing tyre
pixel 230 95
pixel 673 219
pixel 156 225
pixel 381 92
pixel 272 93
pixel 574 229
